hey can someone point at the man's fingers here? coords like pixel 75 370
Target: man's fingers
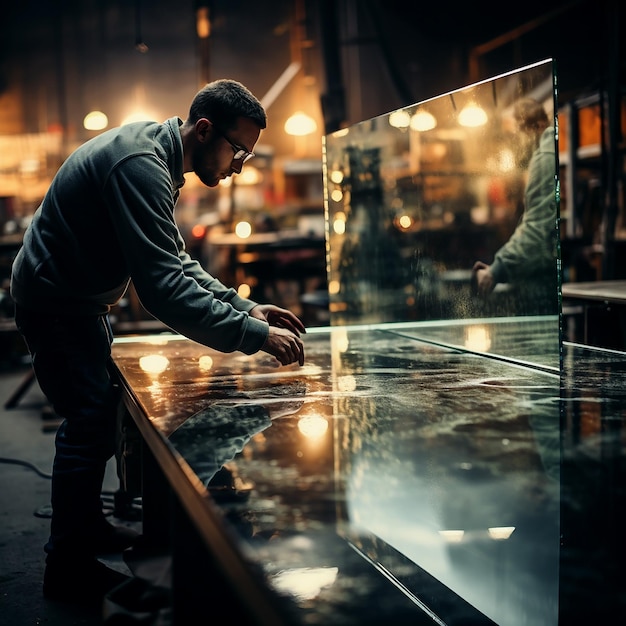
pixel 295 351
pixel 285 345
pixel 290 322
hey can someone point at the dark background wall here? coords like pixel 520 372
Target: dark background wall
pixel 58 59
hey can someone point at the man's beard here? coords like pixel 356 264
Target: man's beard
pixel 206 175
pixel 205 180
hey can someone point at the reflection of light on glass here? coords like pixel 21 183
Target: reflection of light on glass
pixel 346 383
pixel 452 536
pixel 342 132
pixel 336 176
pixel 153 363
pixel 423 120
pixel 333 286
pixel 205 362
pixel 439 150
pixel 243 229
pixel 399 119
pixel 339 226
pixel 404 221
pixel 506 160
pixel 336 195
pixel 156 340
pixel 477 338
pixel 339 223
pixel 304 583
pixel 244 290
pixel 472 115
pixel 339 339
pixel 313 426
pixel 500 532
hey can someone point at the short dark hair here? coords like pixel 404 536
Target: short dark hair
pixel 528 112
pixel 223 101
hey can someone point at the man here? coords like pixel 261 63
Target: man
pixel 108 218
pixel 528 259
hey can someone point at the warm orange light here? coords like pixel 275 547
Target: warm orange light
pixel 205 362
pixel 423 120
pixel 472 116
pixel 243 229
pixel 313 426
pixel 138 116
pixel 203 23
pixel 300 124
pixel 399 119
pixel 244 290
pixel 198 231
pixel 95 120
pixel 250 175
pixel 153 363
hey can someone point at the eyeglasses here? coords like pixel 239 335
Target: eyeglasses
pixel 241 154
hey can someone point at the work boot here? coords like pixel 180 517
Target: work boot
pixel 79 581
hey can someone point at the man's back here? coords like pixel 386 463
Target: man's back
pixel 75 250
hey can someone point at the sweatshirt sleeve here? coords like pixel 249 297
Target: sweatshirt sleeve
pixel 531 248
pixel 170 285
pixel 192 268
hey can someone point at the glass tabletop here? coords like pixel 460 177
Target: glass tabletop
pixel 435 468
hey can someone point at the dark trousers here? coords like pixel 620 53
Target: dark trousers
pixel 70 358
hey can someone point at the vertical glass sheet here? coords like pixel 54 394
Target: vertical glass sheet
pixel 416 199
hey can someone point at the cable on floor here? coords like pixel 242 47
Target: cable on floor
pixel 131 509
pixel 26 464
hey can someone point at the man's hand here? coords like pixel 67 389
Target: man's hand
pixel 283 341
pixel 285 345
pixel 483 278
pixel 281 318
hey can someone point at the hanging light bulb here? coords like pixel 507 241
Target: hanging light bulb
pixel 399 119
pixel 203 23
pixel 95 120
pixel 423 120
pixel 250 175
pixel 300 124
pixel 472 115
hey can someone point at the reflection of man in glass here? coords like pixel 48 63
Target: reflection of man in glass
pixel 527 260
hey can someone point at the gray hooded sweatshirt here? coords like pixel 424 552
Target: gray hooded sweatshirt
pixel 107 218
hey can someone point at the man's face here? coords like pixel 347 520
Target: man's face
pixel 213 158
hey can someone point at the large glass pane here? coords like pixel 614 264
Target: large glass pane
pixel 386 476
pixel 421 201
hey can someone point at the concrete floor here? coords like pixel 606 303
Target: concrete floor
pixel 26 437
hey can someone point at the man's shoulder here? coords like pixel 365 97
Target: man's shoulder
pixel 116 143
pixel 547 142
pixel 137 146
